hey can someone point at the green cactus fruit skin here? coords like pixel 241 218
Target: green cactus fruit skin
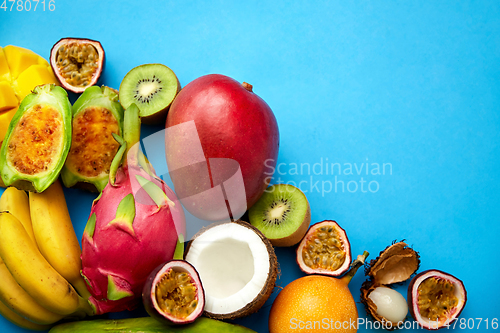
pixel 55 98
pixel 148 325
pixel 92 97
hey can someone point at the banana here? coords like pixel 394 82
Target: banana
pixel 19 301
pixel 11 294
pixel 17 203
pixel 20 321
pixel 55 235
pixel 33 273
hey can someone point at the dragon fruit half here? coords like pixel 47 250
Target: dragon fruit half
pixel 134 226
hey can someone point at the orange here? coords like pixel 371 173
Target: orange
pixel 316 303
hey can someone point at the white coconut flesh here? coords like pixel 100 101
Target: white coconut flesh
pixel 233 263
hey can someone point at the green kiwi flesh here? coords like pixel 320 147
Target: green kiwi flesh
pixel 152 87
pixel 282 214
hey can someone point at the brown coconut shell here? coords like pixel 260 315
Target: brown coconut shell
pixel 268 288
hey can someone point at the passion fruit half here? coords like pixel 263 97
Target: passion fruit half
pixel 77 63
pixel 436 298
pixel 325 250
pixel 174 294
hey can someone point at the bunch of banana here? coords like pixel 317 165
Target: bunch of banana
pixel 39 260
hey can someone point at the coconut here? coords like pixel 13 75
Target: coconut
pixel 237 267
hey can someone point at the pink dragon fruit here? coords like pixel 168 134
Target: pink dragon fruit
pixel 133 227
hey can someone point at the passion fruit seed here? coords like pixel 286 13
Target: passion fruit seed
pixel 436 297
pixel 324 249
pixel 77 63
pixel 36 140
pixel 176 294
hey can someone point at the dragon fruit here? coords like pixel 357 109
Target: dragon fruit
pixel 134 226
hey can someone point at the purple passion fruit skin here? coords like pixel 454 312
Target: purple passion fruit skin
pixel 77 63
pixel 173 293
pixel 325 250
pixel 425 307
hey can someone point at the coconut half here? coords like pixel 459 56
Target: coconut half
pixel 237 267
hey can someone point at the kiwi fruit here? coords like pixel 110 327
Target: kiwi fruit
pixel 152 87
pixel 282 214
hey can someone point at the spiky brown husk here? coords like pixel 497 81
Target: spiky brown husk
pixel 395 264
pixel 390 259
pixel 371 308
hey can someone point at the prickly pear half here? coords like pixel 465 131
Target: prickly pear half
pixel 133 227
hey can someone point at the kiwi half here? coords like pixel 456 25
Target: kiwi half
pixel 282 214
pixel 152 87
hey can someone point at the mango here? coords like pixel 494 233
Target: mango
pixel 8 99
pixel 19 59
pixel 34 76
pixel 5 118
pixel 4 67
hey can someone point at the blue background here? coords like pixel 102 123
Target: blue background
pixel 413 84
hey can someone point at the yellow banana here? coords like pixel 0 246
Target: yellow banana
pixel 55 235
pixel 32 271
pixel 16 202
pixel 12 296
pixel 20 321
pixel 19 301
